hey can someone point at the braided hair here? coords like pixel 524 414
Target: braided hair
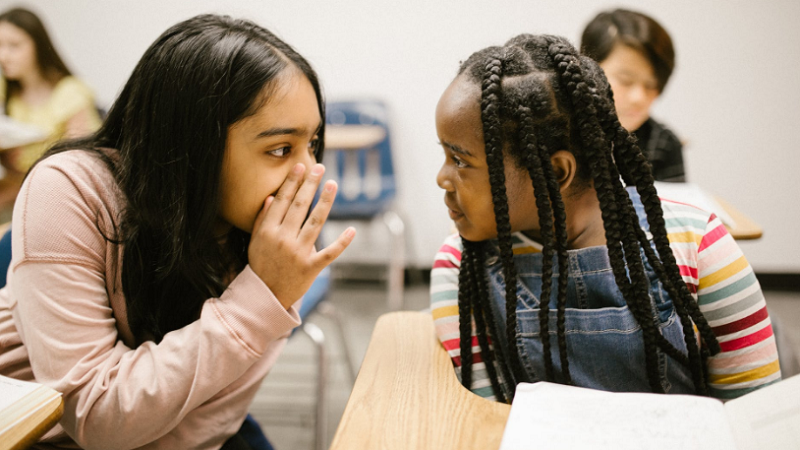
pixel 538 96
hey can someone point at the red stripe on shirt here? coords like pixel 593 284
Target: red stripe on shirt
pixel 455 344
pixel 476 358
pixel 741 324
pixel 712 236
pixel 688 271
pixel 444 264
pixel 453 251
pixel 746 341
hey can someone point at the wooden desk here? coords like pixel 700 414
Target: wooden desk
pixel 745 228
pixel 26 433
pixel 407 396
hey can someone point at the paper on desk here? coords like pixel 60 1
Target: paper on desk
pixel 556 417
pixel 12 390
pixel 692 194
pixel 14 133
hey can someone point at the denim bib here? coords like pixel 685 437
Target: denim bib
pixel 604 342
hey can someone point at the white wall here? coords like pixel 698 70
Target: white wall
pixel 734 97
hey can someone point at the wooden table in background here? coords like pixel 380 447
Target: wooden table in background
pixel 407 396
pixel 745 228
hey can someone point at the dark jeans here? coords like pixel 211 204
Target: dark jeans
pixel 249 437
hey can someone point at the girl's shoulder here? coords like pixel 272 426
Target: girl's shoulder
pixel 449 253
pixel 81 176
pixel 679 216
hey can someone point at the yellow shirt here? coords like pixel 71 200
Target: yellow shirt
pixel 70 96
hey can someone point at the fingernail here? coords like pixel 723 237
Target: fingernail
pixel 350 232
pixel 329 186
pixel 298 168
pixel 317 170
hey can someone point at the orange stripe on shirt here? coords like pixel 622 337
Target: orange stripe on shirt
pixel 445 311
pixel 750 375
pixel 724 273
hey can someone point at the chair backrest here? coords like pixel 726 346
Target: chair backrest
pixel 5 256
pixel 358 156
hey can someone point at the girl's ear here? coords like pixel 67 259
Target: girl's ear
pixel 565 168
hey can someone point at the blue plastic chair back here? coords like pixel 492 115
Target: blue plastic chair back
pixel 366 176
pixel 5 256
pixel 316 293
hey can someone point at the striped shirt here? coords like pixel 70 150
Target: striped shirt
pixel 716 273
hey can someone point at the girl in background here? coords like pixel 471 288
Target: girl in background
pixel 157 264
pixel 561 273
pixel 638 58
pixel 37 88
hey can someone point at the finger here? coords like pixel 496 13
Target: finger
pixel 262 214
pixel 285 195
pixel 298 210
pixel 331 252
pixel 313 225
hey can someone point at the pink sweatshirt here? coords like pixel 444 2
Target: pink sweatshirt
pixel 63 323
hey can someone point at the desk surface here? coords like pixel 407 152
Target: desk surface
pixel 407 396
pixel 27 432
pixel 745 228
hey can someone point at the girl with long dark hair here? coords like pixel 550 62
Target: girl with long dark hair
pixel 157 264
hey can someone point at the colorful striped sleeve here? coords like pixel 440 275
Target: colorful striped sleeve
pixel 444 307
pixel 729 296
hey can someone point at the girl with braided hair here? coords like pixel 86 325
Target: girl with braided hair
pixel 560 272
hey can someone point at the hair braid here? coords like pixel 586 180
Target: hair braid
pixel 492 133
pixel 636 169
pixel 598 151
pixel 666 267
pixel 560 215
pixel 485 324
pixel 466 292
pixel 533 164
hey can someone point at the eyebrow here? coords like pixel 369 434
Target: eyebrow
pixel 456 149
pixel 284 131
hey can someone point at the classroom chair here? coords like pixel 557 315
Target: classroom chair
pixel 358 155
pixel 315 301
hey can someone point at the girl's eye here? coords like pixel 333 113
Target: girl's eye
pixel 281 152
pixel 459 162
pixel 314 145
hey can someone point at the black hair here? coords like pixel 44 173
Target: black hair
pixel 50 64
pixel 538 96
pixel 169 128
pixel 633 29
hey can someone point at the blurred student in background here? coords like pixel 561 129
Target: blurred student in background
pixel 637 56
pixel 37 88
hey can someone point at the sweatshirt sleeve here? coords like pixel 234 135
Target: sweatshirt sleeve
pixel 116 396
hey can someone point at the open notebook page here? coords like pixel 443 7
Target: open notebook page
pixel 768 418
pixel 556 417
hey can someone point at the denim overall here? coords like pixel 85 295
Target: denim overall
pixel 604 342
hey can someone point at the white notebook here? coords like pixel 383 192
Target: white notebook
pixel 557 417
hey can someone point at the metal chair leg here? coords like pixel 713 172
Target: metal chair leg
pixel 320 423
pixel 397 259
pixel 327 309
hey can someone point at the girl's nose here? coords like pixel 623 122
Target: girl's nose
pixel 443 180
